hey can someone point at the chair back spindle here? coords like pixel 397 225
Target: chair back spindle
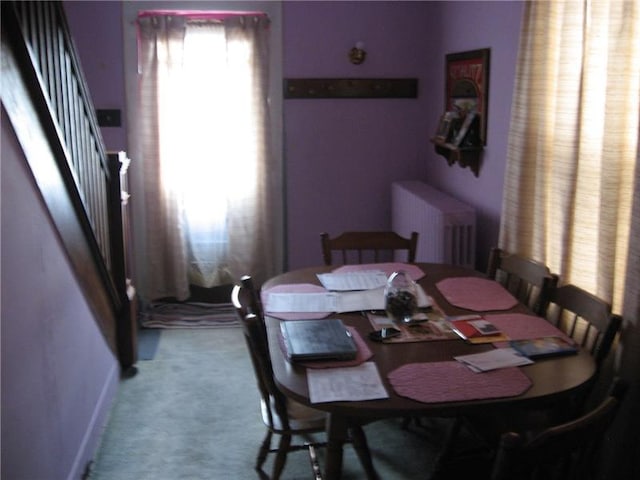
pixel 529 281
pixel 584 317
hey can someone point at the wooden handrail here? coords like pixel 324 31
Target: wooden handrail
pixel 39 47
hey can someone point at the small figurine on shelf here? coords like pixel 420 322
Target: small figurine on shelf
pixel 467 135
pixel 446 126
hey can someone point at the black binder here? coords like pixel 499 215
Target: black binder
pixel 325 339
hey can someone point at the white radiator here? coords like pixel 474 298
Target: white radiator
pixel 446 226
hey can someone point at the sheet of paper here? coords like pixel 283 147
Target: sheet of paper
pixel 302 302
pixel 357 383
pixel 373 300
pixel 498 358
pixel 333 301
pixel 362 300
pixel 361 280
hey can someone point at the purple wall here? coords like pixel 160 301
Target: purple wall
pixel 472 25
pixel 59 377
pixel 99 44
pixel 343 155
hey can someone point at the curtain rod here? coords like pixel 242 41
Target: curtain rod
pixel 199 14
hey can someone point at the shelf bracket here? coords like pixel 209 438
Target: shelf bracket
pixel 463 156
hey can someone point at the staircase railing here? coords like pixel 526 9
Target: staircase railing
pixel 36 40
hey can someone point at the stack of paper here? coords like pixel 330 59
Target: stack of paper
pixel 493 359
pixel 357 383
pixel 334 301
pixel 360 280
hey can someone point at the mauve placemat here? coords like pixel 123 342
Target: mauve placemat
pixel 520 326
pixel 475 293
pixel 452 381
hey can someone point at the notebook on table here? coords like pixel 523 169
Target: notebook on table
pixel 325 339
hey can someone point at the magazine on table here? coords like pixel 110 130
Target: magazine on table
pixel 494 359
pixel 475 329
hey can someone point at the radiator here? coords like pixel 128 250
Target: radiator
pixel 445 225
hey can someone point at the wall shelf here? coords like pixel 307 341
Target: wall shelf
pixel 463 156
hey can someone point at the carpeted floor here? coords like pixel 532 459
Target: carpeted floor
pixel 193 413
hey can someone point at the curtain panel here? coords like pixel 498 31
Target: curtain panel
pixel 573 142
pixel 205 152
pixel 572 184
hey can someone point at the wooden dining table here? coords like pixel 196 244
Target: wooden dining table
pixel 553 380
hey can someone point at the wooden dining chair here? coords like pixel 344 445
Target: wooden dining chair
pixel 567 451
pixel 589 321
pixel 585 318
pixel 529 281
pixel 365 247
pixel 282 416
pixel 313 459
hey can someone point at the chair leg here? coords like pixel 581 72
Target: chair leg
pixel 362 450
pixel 264 450
pixel 407 421
pixel 446 448
pixel 281 456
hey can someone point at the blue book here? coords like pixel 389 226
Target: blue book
pixel 544 347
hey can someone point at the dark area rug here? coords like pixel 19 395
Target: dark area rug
pixel 188 315
pixel 148 340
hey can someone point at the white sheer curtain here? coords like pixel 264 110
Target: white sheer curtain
pixel 205 151
pixel 573 142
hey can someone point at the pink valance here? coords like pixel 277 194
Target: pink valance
pixel 198 14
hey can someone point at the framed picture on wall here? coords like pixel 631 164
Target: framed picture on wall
pixel 467 86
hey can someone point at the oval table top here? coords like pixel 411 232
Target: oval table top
pixel 553 379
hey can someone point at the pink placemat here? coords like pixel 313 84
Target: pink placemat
pixel 475 293
pixel 519 326
pixel 451 381
pixel 364 354
pixel 413 271
pixel 293 288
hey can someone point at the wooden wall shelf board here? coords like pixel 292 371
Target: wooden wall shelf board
pixel 463 156
pixel 309 88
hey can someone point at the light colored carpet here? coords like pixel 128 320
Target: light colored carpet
pixel 193 413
